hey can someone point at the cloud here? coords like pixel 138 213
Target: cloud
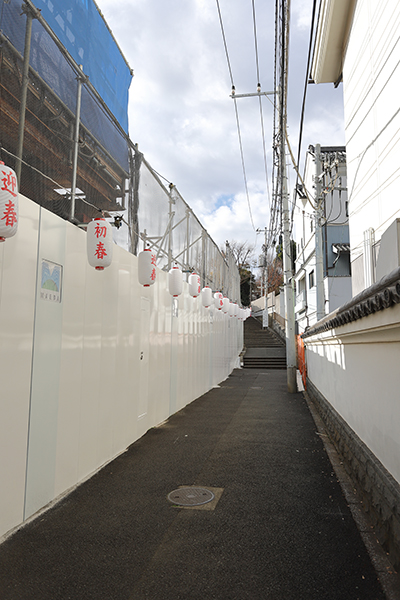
pixel 183 119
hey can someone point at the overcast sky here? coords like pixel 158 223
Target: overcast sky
pixel 182 117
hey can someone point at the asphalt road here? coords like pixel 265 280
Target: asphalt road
pixel 279 527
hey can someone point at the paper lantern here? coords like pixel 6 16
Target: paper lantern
pixel 206 296
pixel 175 282
pixel 194 285
pixel 99 244
pixel 225 305
pixel 147 267
pixel 218 300
pixel 236 309
pixel 8 202
pixel 231 309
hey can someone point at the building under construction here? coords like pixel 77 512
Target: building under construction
pixel 64 94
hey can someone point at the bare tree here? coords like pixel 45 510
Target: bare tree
pixel 243 253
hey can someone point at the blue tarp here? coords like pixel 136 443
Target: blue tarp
pixel 82 30
pixel 52 66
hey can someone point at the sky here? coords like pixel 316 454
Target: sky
pixel 181 114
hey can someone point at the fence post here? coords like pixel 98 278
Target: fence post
pixel 80 78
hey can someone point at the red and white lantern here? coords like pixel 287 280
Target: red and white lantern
pixel 218 300
pixel 175 282
pixel 99 244
pixel 231 309
pixel 147 260
pixel 236 309
pixel 194 285
pixel 206 296
pixel 225 305
pixel 9 216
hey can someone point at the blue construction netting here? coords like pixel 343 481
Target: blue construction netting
pixel 57 72
pixel 82 30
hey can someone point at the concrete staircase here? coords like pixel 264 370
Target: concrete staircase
pixel 264 349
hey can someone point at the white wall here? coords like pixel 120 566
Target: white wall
pixel 337 292
pixel 357 370
pixel 372 119
pixel 83 379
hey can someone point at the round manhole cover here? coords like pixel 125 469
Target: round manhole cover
pixel 190 496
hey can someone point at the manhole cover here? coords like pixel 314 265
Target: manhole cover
pixel 190 496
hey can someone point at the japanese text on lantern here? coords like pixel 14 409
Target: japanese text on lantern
pixel 100 231
pixel 10 215
pixel 153 275
pixel 153 260
pixel 9 181
pixel 100 251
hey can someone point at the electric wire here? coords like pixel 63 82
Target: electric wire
pixel 276 212
pixel 255 41
pixel 236 114
pixel 243 165
pixel 273 214
pixel 260 105
pixel 305 92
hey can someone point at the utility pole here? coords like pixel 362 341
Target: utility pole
pixel 291 355
pixel 264 277
pixel 319 265
pixel 281 95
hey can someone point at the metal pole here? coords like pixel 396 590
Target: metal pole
pixel 170 216
pixel 187 240
pixel 30 15
pixel 81 78
pixel 319 265
pixel 203 256
pixel 291 358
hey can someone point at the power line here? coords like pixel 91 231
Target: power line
pixel 255 42
pixel 236 113
pixel 303 106
pixel 260 103
pixel 225 45
pixel 243 165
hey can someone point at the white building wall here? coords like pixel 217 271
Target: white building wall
pixel 83 379
pixel 372 116
pixel 356 369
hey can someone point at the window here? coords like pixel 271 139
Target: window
pixel 311 281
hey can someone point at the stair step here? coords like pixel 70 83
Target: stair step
pixel 264 363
